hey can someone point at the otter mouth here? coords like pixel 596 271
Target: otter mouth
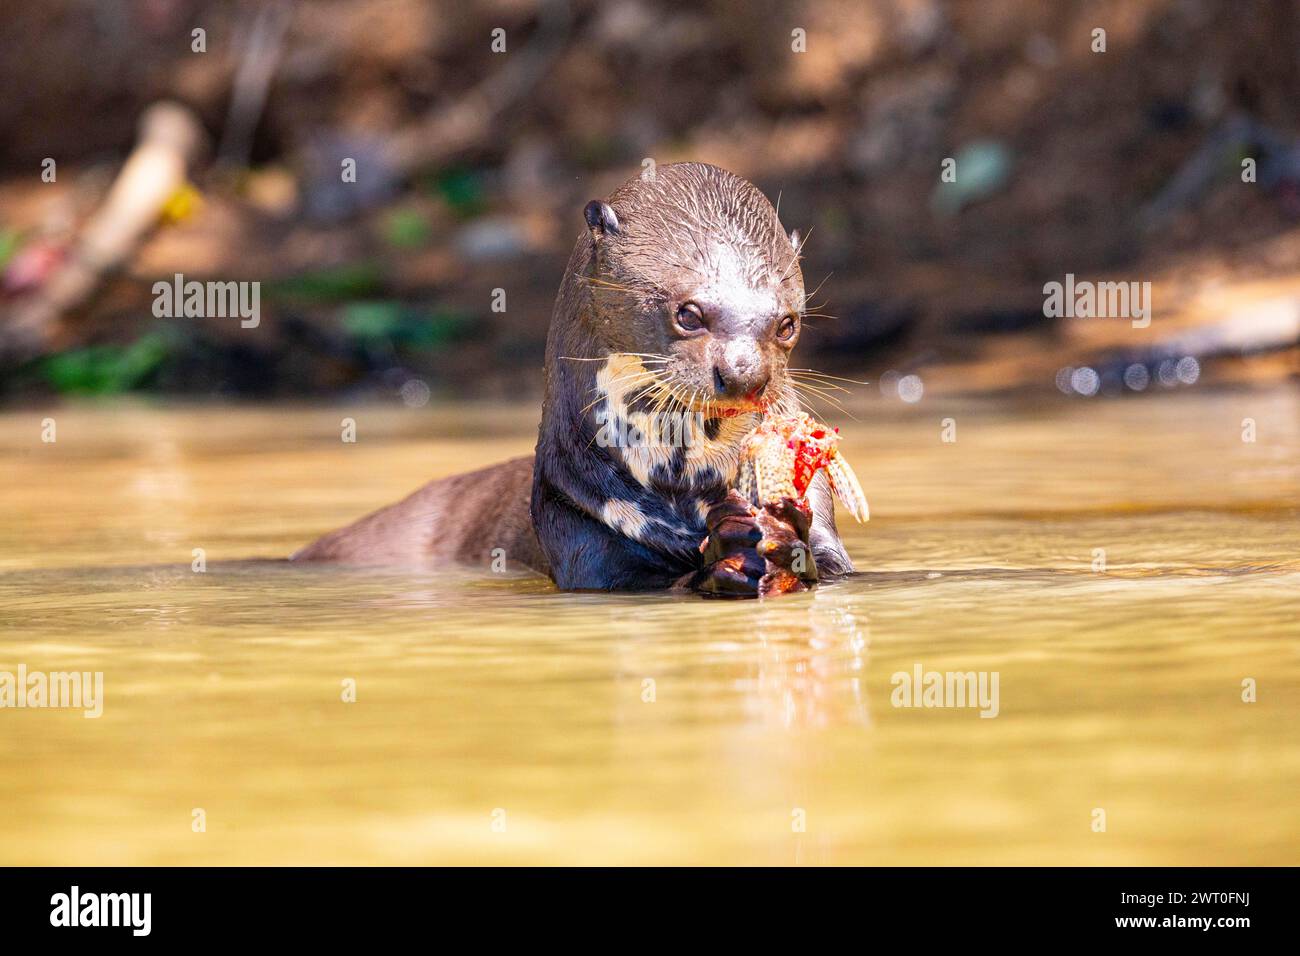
pixel 743 406
pixel 646 383
pixel 757 402
pixel 714 407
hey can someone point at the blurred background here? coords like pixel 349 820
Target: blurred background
pixel 472 167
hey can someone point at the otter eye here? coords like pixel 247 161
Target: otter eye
pixel 689 317
pixel 786 330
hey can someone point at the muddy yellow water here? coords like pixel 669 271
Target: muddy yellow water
pixel 1129 570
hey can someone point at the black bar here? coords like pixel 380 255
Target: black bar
pixel 331 906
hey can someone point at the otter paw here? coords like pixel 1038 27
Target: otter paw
pixel 751 551
pixel 732 566
pixel 785 525
pixel 738 575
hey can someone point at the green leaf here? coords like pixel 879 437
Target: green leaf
pixel 10 240
pixel 462 190
pixel 105 369
pixel 395 325
pixel 327 285
pixel 406 229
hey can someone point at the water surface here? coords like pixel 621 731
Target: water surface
pixel 1120 689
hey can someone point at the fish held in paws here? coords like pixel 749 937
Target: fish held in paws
pixel 782 455
pixel 760 532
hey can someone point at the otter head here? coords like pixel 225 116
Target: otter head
pixel 692 272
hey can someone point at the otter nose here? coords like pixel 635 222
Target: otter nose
pixel 745 382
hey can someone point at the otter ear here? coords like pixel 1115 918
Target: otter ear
pixel 600 219
pixel 794 239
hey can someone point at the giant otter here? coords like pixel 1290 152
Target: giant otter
pixel 669 340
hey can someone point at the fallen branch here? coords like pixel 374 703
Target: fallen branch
pixel 170 139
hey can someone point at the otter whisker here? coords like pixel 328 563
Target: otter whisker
pixel 699 400
pixel 604 396
pixel 712 405
pixel 624 376
pixel 622 383
pixel 645 355
pixel 603 283
pixel 822 396
pixel 663 391
pixel 635 374
pixel 628 373
pixel 652 389
pixel 695 400
pixel 821 384
pixel 817 385
pixel 814 292
pixel 808 405
pixel 824 386
pixel 599 358
pixel 635 380
pixel 814 388
pixel 823 389
pixel 692 398
pixel 798 253
pixel 684 396
pixel 802 396
pixel 809 372
pixel 665 395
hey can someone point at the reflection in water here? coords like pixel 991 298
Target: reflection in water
pixel 810 672
pixel 1123 566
